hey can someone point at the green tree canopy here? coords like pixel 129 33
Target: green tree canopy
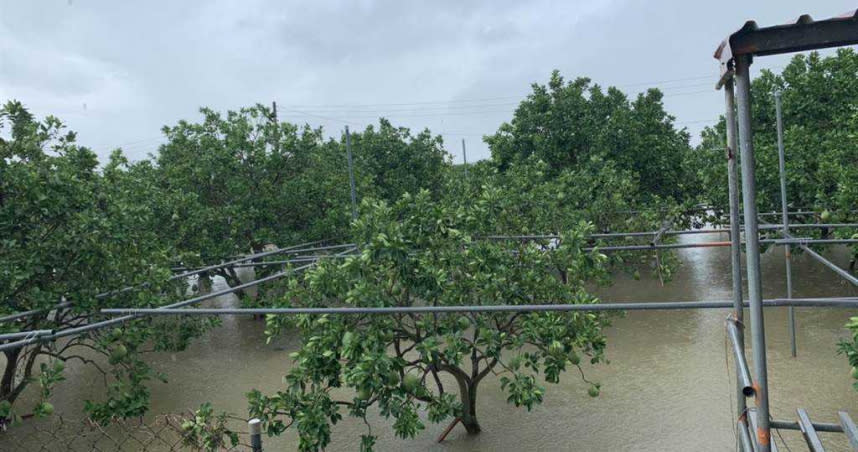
pixel 69 233
pixel 243 173
pixel 566 124
pixel 819 115
pixel 417 252
pixel 397 162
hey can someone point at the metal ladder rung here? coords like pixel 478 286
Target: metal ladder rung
pixel 809 432
pixel 849 429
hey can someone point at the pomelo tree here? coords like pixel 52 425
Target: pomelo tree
pixel 70 231
pixel 819 120
pixel 416 252
pixel 567 123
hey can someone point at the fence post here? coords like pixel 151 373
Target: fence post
pixel 255 426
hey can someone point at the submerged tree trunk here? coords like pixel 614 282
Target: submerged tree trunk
pixel 469 411
pixel 468 396
pixel 8 382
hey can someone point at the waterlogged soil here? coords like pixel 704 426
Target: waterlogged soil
pixel 669 384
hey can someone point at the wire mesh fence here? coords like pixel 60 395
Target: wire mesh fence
pixel 162 433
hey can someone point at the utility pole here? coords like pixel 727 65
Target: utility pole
pixel 351 173
pixel 465 157
pixel 276 144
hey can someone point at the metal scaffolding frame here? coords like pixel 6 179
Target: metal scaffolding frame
pixel 735 55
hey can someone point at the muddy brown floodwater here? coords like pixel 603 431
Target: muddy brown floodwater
pixel 668 385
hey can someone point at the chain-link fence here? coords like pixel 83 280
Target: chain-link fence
pixel 163 433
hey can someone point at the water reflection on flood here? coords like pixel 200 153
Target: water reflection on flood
pixel 668 386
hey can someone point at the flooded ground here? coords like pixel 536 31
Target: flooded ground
pixel 668 386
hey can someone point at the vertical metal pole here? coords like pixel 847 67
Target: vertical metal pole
pixel 785 217
pixel 735 238
pixel 752 250
pixel 255 427
pixel 465 157
pixel 276 144
pixel 351 173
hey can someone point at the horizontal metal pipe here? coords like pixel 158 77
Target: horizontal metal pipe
pixel 799 212
pixel 777 214
pixel 791 240
pixel 818 426
pixel 600 235
pixel 813 225
pixel 106 323
pixel 804 240
pixel 294 260
pixel 20 334
pixel 173 309
pixel 657 247
pixel 837 302
pixel 24 314
pixel 739 356
pixel 302 247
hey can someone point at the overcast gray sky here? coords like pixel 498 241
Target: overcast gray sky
pixel 118 71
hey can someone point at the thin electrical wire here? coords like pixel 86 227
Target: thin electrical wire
pixel 489 99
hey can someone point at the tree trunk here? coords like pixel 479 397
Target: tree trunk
pixel 468 395
pixel 8 382
pixel 469 412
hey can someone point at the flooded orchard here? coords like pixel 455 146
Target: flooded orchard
pixel 668 386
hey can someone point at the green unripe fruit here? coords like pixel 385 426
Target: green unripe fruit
pixel 116 332
pixel 855 373
pixel 855 236
pixel 593 391
pixel 555 347
pixel 117 354
pixel 574 359
pixel 464 322
pixel 392 378
pixel 364 394
pixel 47 408
pixel 637 275
pixel 825 215
pixel 411 382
